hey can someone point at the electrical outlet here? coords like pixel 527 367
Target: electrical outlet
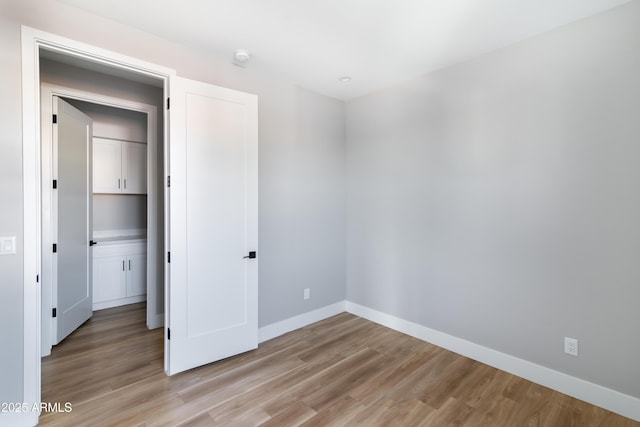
pixel 307 293
pixel 571 346
pixel 7 245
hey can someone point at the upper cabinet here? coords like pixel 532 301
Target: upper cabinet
pixel 134 167
pixel 119 166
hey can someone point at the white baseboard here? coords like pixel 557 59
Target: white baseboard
pixel 273 330
pixel 118 302
pixel 611 400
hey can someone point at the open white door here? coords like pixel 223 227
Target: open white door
pixel 72 232
pixel 213 225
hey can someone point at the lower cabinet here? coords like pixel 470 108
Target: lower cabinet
pixel 119 274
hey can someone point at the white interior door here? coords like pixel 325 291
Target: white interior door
pixel 213 225
pixel 72 200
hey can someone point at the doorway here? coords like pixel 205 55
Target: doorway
pixel 35 43
pixel 129 218
pixel 208 123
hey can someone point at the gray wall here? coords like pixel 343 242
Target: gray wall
pixel 499 200
pixel 120 212
pixel 302 203
pixel 61 74
pixel 11 287
pixel 301 170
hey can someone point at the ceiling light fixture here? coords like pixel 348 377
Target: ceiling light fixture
pixel 241 57
pixel 344 79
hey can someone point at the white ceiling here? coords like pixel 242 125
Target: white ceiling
pixel 379 43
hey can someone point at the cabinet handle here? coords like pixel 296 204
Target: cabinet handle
pixel 122 265
pixel 129 265
pixel 118 183
pixel 125 183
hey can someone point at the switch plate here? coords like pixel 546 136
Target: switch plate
pixel 7 245
pixel 307 293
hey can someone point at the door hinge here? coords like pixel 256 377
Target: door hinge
pixel 168 103
pixel 55 183
pixel 168 256
pixel 55 119
pixel 168 333
pixel 168 180
pixel 55 248
pixel 54 312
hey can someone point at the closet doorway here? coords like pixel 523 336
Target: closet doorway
pixel 125 217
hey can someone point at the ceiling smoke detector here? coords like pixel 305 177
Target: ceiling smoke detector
pixel 241 57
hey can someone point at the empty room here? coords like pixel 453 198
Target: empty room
pixel 251 213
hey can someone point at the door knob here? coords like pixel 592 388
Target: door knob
pixel 251 255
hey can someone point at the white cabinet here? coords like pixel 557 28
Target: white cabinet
pixel 134 167
pixel 119 274
pixel 109 279
pixel 107 163
pixel 136 274
pixel 119 166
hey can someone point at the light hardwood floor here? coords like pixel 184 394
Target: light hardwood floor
pixel 341 371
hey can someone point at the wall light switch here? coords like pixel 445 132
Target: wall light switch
pixel 7 245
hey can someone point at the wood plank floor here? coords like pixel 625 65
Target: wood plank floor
pixel 341 371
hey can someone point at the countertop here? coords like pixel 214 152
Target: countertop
pixel 120 239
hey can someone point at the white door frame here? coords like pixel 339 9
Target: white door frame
pixel 32 41
pixel 47 277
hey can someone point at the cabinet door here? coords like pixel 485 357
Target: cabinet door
pixel 109 278
pixel 136 275
pixel 134 168
pixel 107 163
